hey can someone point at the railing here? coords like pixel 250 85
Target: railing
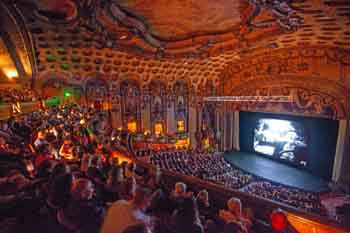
pixel 12 109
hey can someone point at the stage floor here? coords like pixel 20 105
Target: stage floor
pixel 276 172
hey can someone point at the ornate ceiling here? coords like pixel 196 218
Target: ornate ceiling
pixel 178 39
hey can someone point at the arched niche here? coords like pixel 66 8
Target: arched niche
pixel 181 101
pixel 306 101
pixel 52 84
pixel 96 91
pixel 158 106
pixel 130 103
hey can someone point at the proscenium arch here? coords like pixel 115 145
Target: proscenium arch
pixel 248 88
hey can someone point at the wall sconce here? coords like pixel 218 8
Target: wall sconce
pixel 11 73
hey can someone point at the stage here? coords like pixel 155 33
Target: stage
pixel 276 171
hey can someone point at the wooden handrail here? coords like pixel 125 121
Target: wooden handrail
pixel 6 110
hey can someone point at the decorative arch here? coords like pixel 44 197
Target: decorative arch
pixel 52 83
pixel 96 90
pixel 158 106
pixel 130 92
pixel 181 93
pixel 319 74
pixel 306 100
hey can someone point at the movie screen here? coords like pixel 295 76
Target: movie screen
pixel 281 139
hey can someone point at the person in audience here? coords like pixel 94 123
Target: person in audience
pixel 211 227
pixel 234 227
pixel 60 169
pixel 40 140
pixel 130 171
pixel 161 209
pixel 82 214
pixel 180 191
pixel 234 213
pixel 186 217
pixel 3 146
pixel 85 163
pixel 138 228
pixel 203 203
pixel 114 184
pixel 123 214
pixel 42 154
pixel 66 150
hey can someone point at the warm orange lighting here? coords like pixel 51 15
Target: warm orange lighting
pixel 11 73
pixel 158 129
pixel 121 158
pixel 132 126
pixel 206 143
pixel 147 132
pixel 182 143
pixel 181 126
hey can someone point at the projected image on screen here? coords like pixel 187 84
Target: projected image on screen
pixel 281 139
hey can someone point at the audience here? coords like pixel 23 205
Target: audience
pixel 65 178
pixel 17 95
pixel 214 168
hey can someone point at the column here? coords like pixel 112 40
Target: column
pixel 192 126
pixel 171 124
pixel 236 130
pixel 232 115
pixel 116 113
pixel 340 159
pixel 146 117
pixel 219 127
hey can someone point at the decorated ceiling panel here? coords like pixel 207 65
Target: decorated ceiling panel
pixel 176 39
pixel 176 20
pixel 197 41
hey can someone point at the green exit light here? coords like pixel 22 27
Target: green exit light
pixel 67 94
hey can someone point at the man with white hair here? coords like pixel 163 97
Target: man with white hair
pixel 180 190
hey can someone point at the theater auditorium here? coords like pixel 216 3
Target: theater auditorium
pixel 174 116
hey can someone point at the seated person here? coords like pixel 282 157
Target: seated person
pixel 180 190
pixel 203 203
pixel 186 217
pixel 234 227
pixel 234 213
pixel 66 150
pixel 40 140
pixel 123 214
pixel 82 214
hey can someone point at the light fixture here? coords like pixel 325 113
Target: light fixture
pixel 11 73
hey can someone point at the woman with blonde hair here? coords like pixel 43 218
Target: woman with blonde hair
pixel 234 213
